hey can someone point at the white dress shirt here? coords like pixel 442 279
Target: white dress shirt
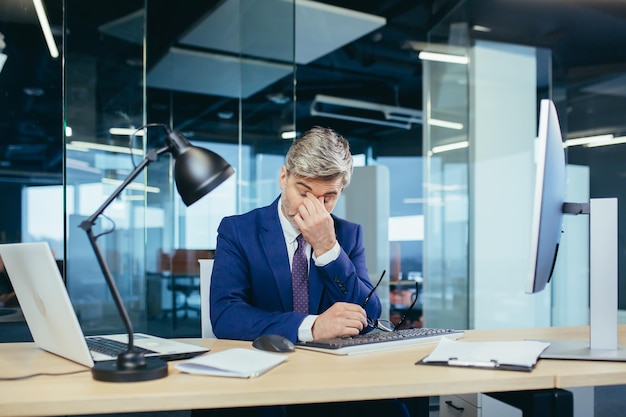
pixel 305 331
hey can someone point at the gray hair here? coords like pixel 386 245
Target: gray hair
pixel 320 153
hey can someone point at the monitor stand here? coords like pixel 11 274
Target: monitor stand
pixel 602 343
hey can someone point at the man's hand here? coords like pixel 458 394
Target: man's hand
pixel 316 224
pixel 341 319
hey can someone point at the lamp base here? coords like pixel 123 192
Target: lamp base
pixel 110 371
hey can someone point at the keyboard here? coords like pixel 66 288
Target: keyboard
pixel 376 341
pixel 112 347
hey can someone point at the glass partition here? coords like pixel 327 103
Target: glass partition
pixel 31 140
pixel 446 175
pixel 103 92
pixel 208 82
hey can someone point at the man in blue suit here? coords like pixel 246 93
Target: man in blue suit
pixel 251 283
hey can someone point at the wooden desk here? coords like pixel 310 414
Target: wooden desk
pixel 307 377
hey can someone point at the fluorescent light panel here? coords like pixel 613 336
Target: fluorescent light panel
pixel 587 140
pixel 480 28
pixel 3 59
pixel 80 146
pixel 612 141
pixel 446 124
pixel 439 57
pixel 394 116
pixel 450 147
pixel 45 27
pixel 125 131
pixel 289 134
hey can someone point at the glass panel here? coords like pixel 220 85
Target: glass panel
pixel 446 136
pixel 104 72
pixel 381 117
pixel 31 140
pixel 209 76
pixel 406 236
pixel 267 30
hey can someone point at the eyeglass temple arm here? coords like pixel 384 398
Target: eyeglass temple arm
pixel 367 299
pixel 403 319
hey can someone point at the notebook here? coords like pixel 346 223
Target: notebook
pixel 50 315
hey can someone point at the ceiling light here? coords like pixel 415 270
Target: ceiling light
pixel 225 114
pixel 80 146
pixel 126 131
pixel 439 57
pixel 288 131
pixel 479 28
pixel 3 57
pixel 450 147
pixel 444 123
pixel 289 134
pixel 278 98
pixel 45 27
pixel 587 140
pixel 612 141
pixel 364 111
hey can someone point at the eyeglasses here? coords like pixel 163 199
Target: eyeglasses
pixel 387 325
pixel 367 299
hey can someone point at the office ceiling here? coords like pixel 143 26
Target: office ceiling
pixel 362 56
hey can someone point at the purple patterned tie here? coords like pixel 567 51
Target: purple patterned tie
pixel 300 277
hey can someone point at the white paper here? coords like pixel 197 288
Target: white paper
pixel 236 362
pixel 518 353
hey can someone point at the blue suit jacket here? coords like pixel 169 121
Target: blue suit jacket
pixel 251 280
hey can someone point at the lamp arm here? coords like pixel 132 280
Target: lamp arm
pixel 87 225
pixel 151 156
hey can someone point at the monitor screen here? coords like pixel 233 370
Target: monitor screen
pixel 549 196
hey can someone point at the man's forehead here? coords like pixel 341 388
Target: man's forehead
pixel 321 185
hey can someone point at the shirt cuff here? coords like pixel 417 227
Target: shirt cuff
pixel 305 331
pixel 329 256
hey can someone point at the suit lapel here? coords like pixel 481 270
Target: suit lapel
pixel 273 242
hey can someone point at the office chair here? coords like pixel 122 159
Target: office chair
pixel 206 269
pixel 184 271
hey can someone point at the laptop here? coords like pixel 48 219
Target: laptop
pixel 51 318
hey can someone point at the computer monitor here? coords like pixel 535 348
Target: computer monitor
pixel 547 216
pixel 549 209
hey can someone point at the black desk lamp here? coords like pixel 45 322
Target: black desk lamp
pixel 197 172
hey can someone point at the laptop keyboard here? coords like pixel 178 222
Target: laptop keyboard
pixel 378 341
pixel 112 347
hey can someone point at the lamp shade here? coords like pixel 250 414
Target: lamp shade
pixel 197 171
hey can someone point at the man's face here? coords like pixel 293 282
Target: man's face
pixel 295 189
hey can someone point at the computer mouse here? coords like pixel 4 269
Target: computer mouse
pixel 273 343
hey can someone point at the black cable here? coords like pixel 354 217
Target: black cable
pixel 17 378
pixel 106 232
pixel 131 138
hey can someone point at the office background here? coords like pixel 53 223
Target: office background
pixel 235 75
